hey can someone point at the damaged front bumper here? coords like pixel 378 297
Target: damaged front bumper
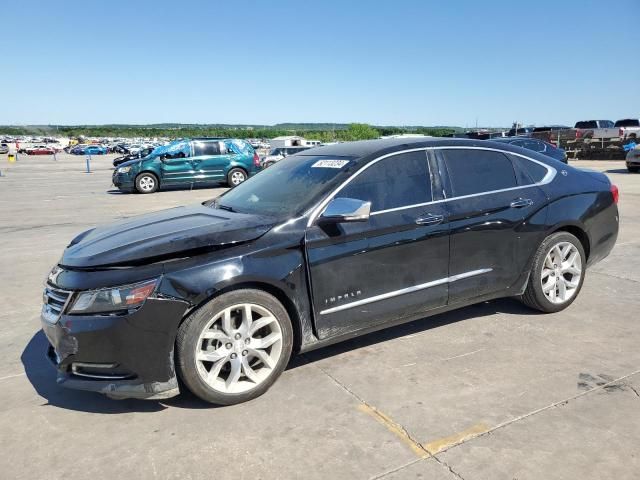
pixel 122 356
pixel 122 181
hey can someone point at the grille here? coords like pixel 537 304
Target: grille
pixel 55 301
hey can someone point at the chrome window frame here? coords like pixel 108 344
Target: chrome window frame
pixel 550 175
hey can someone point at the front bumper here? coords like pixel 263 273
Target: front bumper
pixel 633 161
pixel 122 356
pixel 122 181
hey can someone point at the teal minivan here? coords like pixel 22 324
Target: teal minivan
pixel 189 162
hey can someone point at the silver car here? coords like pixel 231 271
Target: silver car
pixel 279 153
pixel 633 160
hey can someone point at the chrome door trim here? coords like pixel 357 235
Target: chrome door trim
pixel 550 175
pixel 406 290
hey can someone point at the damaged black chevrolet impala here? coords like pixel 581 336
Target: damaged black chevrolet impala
pixel 323 246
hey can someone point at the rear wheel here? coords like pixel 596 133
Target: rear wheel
pixel 235 347
pixel 236 176
pixel 557 273
pixel 146 183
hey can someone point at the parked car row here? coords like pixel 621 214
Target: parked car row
pixel 624 130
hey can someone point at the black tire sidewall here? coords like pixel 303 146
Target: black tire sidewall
pixel 140 177
pixel 536 272
pixel 189 333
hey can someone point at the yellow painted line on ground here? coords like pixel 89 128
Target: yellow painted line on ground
pixel 446 442
pixel 419 449
pixel 394 428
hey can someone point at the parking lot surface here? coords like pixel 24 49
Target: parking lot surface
pixel 492 391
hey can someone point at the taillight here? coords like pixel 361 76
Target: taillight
pixel 621 133
pixel 256 159
pixel 615 193
pixel 578 133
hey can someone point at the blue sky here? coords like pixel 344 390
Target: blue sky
pixel 384 63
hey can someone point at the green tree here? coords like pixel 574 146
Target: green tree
pixel 359 131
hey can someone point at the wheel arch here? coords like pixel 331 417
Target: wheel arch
pixel 147 170
pixel 577 231
pixel 277 292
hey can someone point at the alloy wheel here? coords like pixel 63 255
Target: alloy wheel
pixel 237 178
pixel 561 272
pixel 239 348
pixel 147 183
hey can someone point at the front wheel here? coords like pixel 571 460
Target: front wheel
pixel 235 347
pixel 236 176
pixel 557 273
pixel 146 183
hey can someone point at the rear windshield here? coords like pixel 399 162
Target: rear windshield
pixel 289 187
pixel 630 122
pixel 591 124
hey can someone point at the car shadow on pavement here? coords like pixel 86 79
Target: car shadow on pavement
pixel 504 305
pixel 616 170
pixel 42 375
pixel 177 188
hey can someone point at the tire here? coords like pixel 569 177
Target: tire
pixel 534 295
pixel 147 182
pixel 234 347
pixel 633 169
pixel 236 176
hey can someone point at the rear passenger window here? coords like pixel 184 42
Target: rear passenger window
pixel 397 181
pixel 534 171
pixel 477 171
pixel 206 148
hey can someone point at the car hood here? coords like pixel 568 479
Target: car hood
pixel 163 235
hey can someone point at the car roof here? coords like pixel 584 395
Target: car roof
pixel 364 149
pixel 513 139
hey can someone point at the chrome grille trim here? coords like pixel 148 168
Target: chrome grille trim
pixel 55 302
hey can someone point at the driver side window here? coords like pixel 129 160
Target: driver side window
pixel 397 181
pixel 171 156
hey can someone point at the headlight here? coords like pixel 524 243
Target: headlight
pixel 115 299
pixel 124 169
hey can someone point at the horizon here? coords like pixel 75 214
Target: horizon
pixel 464 64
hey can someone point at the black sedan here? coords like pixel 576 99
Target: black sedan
pixel 536 145
pixel 132 156
pixel 324 245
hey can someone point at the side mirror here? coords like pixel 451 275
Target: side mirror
pixel 341 210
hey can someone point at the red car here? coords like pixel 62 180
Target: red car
pixel 40 150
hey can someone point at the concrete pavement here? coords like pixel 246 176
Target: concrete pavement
pixel 492 391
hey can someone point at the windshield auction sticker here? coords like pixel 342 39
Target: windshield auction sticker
pixel 330 164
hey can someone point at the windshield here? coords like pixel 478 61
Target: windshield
pixel 289 187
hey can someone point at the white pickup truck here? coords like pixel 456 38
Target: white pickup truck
pixel 596 129
pixel 607 130
pixel 628 129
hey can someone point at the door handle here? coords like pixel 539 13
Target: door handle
pixel 430 219
pixel 521 203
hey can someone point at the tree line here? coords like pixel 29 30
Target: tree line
pixel 338 132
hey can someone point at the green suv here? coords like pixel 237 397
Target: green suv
pixel 189 162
